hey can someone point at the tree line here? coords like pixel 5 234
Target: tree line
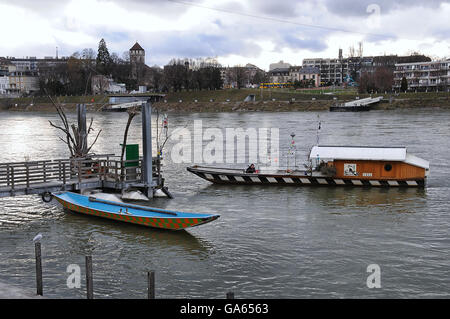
pixel 381 80
pixel 183 74
pixel 73 76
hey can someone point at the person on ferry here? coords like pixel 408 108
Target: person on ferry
pixel 251 169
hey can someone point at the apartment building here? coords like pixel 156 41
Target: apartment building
pixel 423 76
pixel 4 84
pixel 331 70
pixel 280 75
pixel 336 71
pixel 23 82
pixel 295 73
pixel 23 73
pixel 299 73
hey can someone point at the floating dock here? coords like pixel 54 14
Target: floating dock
pixel 356 105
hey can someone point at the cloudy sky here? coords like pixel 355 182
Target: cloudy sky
pixel 235 31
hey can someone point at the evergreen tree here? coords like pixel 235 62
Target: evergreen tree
pixel 103 58
pixel 404 85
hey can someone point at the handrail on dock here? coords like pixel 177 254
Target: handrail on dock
pixel 42 174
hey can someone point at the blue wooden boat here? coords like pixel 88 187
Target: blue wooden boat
pixel 136 214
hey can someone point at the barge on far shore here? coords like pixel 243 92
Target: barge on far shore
pixel 334 166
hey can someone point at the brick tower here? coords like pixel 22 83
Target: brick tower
pixel 137 60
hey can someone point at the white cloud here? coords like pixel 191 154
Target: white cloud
pixel 174 30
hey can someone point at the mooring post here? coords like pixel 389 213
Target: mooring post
pixel 230 295
pixel 89 278
pixel 147 176
pixel 151 284
pixel 39 285
pixel 81 115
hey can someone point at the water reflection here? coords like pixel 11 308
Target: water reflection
pixel 331 196
pixel 130 234
pixel 365 197
pixel 26 212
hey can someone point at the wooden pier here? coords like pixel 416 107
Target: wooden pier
pixel 96 171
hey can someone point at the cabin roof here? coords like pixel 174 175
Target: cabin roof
pixel 417 161
pixel 367 153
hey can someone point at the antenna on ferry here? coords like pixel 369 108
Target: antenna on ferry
pixel 318 128
pixel 292 151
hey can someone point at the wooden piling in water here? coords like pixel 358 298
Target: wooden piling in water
pixel 151 284
pixel 38 255
pixel 89 278
pixel 230 295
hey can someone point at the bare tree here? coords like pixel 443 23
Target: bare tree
pixel 351 51
pixel 381 80
pixel 132 112
pixel 99 84
pixel 74 136
pixel 360 49
pixel 126 56
pixel 237 75
pixel 88 54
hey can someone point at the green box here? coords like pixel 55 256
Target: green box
pixel 132 153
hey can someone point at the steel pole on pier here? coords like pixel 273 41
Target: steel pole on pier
pixel 147 173
pixel 81 115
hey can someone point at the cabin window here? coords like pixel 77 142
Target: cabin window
pixel 388 167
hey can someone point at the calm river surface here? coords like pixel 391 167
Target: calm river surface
pixel 270 242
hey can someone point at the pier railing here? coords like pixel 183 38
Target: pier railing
pixel 96 168
pixel 34 172
pixel 110 169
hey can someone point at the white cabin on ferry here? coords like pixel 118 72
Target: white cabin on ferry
pixel 365 162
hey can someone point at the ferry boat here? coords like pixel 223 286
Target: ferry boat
pixel 334 166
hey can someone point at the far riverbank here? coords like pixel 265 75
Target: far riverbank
pixel 233 101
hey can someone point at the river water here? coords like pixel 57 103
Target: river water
pixel 270 242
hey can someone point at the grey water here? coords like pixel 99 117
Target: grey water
pixel 270 242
